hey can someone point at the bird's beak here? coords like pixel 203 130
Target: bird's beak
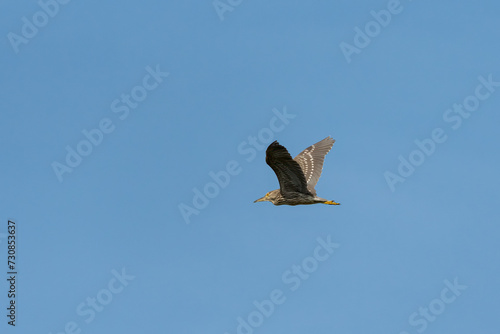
pixel 260 200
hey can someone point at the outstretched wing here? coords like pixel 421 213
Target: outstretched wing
pixel 288 171
pixel 311 161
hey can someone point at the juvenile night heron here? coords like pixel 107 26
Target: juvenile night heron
pixel 297 177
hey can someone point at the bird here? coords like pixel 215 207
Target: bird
pixel 297 177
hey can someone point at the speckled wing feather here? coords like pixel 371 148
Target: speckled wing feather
pixel 311 161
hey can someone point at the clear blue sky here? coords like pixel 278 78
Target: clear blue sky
pixel 113 116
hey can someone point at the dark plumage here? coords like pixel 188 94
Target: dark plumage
pixel 297 177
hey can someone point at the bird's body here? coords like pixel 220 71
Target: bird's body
pixel 297 177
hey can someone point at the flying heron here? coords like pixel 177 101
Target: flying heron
pixel 297 177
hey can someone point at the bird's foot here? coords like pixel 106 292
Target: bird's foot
pixel 331 203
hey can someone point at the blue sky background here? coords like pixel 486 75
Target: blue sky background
pixel 119 208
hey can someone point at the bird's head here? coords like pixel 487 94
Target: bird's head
pixel 269 197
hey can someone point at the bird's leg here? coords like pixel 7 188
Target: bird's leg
pixel 331 203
